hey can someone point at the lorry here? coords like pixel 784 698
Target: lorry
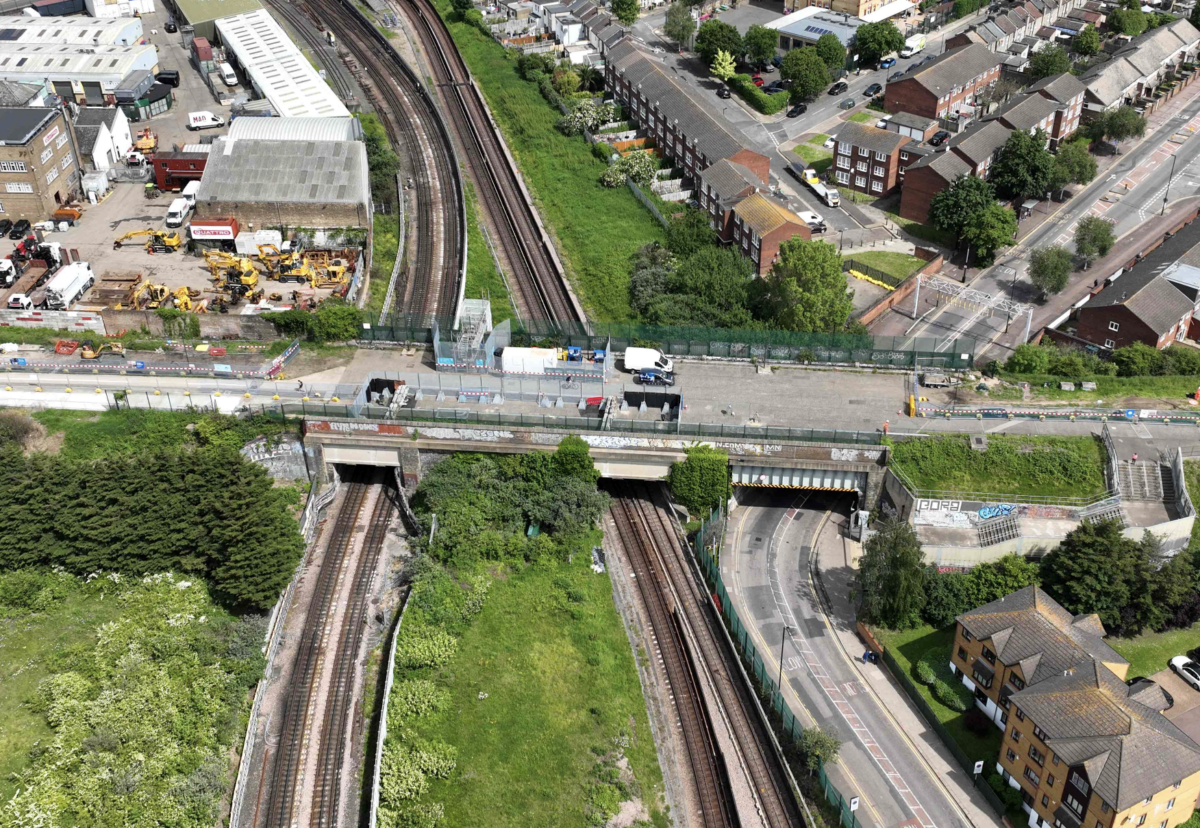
pixel 643 359
pixel 68 285
pixel 528 360
pixel 913 45
pixel 177 212
pixel 829 195
pixel 204 120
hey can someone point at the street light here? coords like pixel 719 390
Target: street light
pixel 1167 194
pixel 782 640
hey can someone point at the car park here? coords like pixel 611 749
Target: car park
pixel 1187 670
pixel 873 90
pixel 847 104
pixel 652 376
pixel 797 110
pixel 939 138
pixel 168 76
pixel 724 93
pixel 19 229
pixel 838 88
pixel 775 86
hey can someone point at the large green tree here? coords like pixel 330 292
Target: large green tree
pixel 831 51
pixel 760 42
pixel 1023 166
pixel 891 577
pixel 950 209
pixel 1072 165
pixel 689 232
pixel 708 288
pixel 1053 60
pixel 989 230
pixel 715 35
pixel 1094 237
pixel 806 288
pixel 680 25
pixel 701 481
pixel 1127 21
pixel 1087 42
pixel 1050 269
pixel 626 11
pixel 874 40
pixel 807 72
pixel 1118 125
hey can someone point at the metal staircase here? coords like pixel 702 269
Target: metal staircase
pixel 1142 480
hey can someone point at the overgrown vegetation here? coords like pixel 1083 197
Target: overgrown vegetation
pixel 382 163
pixel 385 241
pixel 334 320
pixel 701 482
pixel 483 277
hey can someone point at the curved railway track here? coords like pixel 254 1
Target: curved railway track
pixel 437 250
pixel 778 803
pixel 537 279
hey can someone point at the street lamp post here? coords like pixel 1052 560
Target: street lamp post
pixel 782 641
pixel 1167 194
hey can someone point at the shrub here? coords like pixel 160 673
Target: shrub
pixel 976 722
pixel 291 323
pixel 927 665
pixel 701 482
pixel 1137 360
pixel 638 166
pixel 602 151
pixel 414 698
pixel 751 94
pixel 953 694
pixel 1028 359
pixel 424 647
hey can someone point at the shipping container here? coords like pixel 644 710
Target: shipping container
pixel 201 48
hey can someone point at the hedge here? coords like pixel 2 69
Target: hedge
pixel 751 94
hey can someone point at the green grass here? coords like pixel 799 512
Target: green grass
pixel 597 228
pixel 1149 653
pixel 27 648
pixel 895 264
pixel 1012 465
pixel 483 278
pixel 560 681
pixel 921 231
pixel 1112 390
pixel 818 139
pixel 907 647
pixel 864 117
pixel 817 157
pixel 384 246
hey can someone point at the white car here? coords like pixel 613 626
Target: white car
pixel 1187 670
pixel 882 122
pixel 829 144
pixel 814 221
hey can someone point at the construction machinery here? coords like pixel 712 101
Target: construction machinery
pixel 91 351
pixel 280 266
pixel 151 191
pixel 160 241
pixel 146 142
pixel 183 297
pixel 146 295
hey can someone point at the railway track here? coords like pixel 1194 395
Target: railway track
pixel 537 279
pixel 668 563
pixel 437 250
pixel 283 796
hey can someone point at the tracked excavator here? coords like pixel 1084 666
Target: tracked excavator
pixel 160 241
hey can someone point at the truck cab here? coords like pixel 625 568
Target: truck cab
pixel 19 301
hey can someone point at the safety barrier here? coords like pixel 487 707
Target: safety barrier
pixel 381 731
pixel 1099 415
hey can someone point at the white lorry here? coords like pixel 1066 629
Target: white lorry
pixel 643 359
pixel 913 45
pixel 528 360
pixel 68 285
pixel 829 195
pixel 177 212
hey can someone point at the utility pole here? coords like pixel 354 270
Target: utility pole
pixel 1167 194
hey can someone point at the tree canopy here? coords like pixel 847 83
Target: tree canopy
pixel 689 232
pixel 989 230
pixel 715 35
pixel 874 40
pixel 950 594
pixel 891 577
pixel 701 481
pixel 1087 42
pixel 1128 21
pixel 1094 237
pixel 831 51
pixel 1072 165
pixel 679 26
pixel 626 11
pixel 1118 125
pixel 968 195
pixel 806 288
pixel 807 72
pixel 724 66
pixel 1023 168
pixel 1050 269
pixel 760 42
pixel 1053 60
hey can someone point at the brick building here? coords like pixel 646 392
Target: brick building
pixel 722 186
pixel 867 159
pixel 760 225
pixel 1134 72
pixel 926 178
pixel 173 170
pixel 38 163
pixel 1052 105
pixel 1084 749
pixel 938 88
pixel 1138 307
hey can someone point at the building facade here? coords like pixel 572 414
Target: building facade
pixel 760 226
pixel 867 159
pixel 1138 307
pixel 38 164
pixel 938 89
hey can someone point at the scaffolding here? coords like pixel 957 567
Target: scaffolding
pixel 963 296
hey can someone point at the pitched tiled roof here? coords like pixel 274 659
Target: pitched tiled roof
pixel 1154 300
pixel 17 94
pixel 1032 629
pixel 763 215
pixel 980 141
pixel 1140 57
pixel 672 102
pixel 1129 750
pixel 871 137
pixel 1027 111
pixel 953 68
pixel 87 136
pixel 1061 88
pixel 730 179
pixel 946 164
pixel 96 115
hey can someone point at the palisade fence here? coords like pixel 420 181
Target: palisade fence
pixel 730 343
pixel 874 272
pixel 931 719
pixel 707 548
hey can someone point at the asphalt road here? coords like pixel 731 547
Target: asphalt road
pixel 766 568
pixel 1144 170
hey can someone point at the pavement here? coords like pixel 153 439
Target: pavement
pixel 778 544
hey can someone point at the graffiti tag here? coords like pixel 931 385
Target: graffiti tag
pixel 998 510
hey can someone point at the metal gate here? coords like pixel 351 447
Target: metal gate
pixel 64 90
pixel 93 93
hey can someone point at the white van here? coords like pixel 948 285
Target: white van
pixel 641 359
pixel 204 120
pixel 189 193
pixel 177 211
pixel 227 74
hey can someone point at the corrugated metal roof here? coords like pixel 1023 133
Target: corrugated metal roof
pixel 295 129
pixel 202 11
pixel 71 31
pixel 42 62
pixel 286 171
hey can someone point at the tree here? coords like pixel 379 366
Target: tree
pixel 807 72
pixel 573 458
pixel 680 25
pixel 891 577
pixel 1137 360
pixel 626 11
pixel 585 114
pixel 1089 571
pixel 708 288
pixel 1028 359
pixel 989 230
pixel 1073 165
pixel 831 51
pixel 689 232
pixel 760 42
pixel 462 6
pixel 1087 42
pixel 648 277
pixel 701 482
pixel 724 67
pixel 1023 166
pixel 874 40
pixel 947 596
pixel 636 166
pixel 1094 237
pixel 1126 21
pixel 590 79
pixel 950 209
pixel 806 288
pixel 1119 125
pixel 820 748
pixel 1000 91
pixel 716 36
pixel 1050 269
pixel 1053 60
pixel 566 82
pixel 993 580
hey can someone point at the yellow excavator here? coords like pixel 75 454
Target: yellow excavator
pixel 183 297
pixel 280 266
pixel 160 241
pixel 149 295
pixel 90 351
pixel 146 141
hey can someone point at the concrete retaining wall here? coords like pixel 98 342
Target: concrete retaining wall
pixel 212 325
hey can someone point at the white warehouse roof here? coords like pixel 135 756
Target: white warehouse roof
pixel 41 62
pixel 71 31
pixel 277 68
pixel 295 129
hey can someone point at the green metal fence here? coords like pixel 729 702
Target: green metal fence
pixel 874 272
pixel 707 548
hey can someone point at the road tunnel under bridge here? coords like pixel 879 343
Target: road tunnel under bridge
pixel 828 479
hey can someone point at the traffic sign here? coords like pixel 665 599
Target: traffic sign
pixel 853 804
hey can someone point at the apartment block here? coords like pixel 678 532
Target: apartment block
pixel 867 159
pixel 938 88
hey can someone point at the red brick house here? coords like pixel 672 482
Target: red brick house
pixel 721 187
pixel 1137 307
pixel 1067 91
pixel 925 179
pixel 867 159
pixel 174 170
pixel 759 226
pixel 938 88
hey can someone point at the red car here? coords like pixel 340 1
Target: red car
pixel 758 81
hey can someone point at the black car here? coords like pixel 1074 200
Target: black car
pixel 929 58
pixel 19 229
pixel 724 92
pixel 653 376
pixel 5 226
pixel 895 76
pixel 797 110
pixel 838 88
pixel 873 90
pixel 772 88
pixel 168 76
pixel 938 138
pixel 171 27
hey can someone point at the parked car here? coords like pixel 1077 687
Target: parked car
pixel 766 67
pixel 849 103
pixel 776 86
pixel 724 92
pixel 939 138
pixel 895 76
pixel 168 76
pixel 777 61
pixel 873 90
pixel 829 143
pixel 758 81
pixel 838 88
pixel 929 58
pixel 5 226
pixel 171 27
pixel 19 229
pixel 1187 670
pixel 797 110
pixel 653 376
pixel 887 63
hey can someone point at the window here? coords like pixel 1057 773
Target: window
pixel 843 178
pixel 1012 756
pixel 51 175
pixel 1020 715
pixel 1113 326
pixel 1 206
pixel 1146 801
pixel 879 156
pixel 861 166
pixel 877 186
pixel 66 162
pixel 860 181
pixel 46 154
pixel 904 156
pixel 1081 784
pixel 1104 809
pixel 1054 758
pixel 1005 702
pixel 1016 735
pixel 18 187
pixel 1031 776
pixel 962 653
pixel 989 655
pixel 1108 343
pixel 1162 824
pixel 879 171
pixel 12 166
pixel 1038 732
pixel 1142 820
pixel 1037 756
pixel 1045 801
pixel 845 148
pixel 1016 681
pixel 1050 780
pixel 966 635
pixel 843 162
pixel 1074 804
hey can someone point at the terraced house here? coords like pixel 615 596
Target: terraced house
pixel 1084 749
